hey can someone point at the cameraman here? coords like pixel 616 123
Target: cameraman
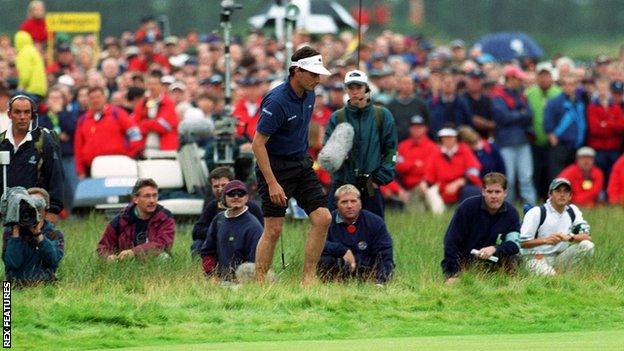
pixel 371 161
pixel 32 254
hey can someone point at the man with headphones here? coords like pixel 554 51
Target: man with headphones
pixel 371 161
pixel 35 158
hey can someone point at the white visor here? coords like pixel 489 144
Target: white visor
pixel 312 64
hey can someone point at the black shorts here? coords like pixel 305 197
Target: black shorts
pixel 296 176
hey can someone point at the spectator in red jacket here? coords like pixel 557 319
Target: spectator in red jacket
pixel 587 180
pixel 143 229
pixel 615 190
pixel 156 116
pixel 103 130
pixel 35 24
pixel 413 154
pixel 247 108
pixel 147 56
pixel 606 126
pixel 453 168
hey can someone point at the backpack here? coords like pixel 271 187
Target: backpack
pixel 543 217
pixel 38 140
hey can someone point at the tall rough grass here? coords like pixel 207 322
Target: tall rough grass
pixel 97 305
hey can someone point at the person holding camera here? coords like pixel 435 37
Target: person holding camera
pixel 33 248
pixel 371 161
pixel 142 229
pixel 358 244
pixel 232 236
pixel 555 236
pixel 35 159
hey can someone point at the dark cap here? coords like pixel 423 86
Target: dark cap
pixel 63 47
pixel 234 185
pixel 475 73
pixel 617 86
pixel 557 182
pixel 248 81
pixel 417 120
pixel 214 79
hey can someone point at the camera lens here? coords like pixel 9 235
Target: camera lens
pixel 27 215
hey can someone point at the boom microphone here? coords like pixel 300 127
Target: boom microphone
pixel 335 151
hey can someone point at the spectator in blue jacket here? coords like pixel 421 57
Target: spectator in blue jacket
pixel 483 227
pixel 358 244
pixel 486 152
pixel 447 108
pixel 32 254
pixel 63 122
pixel 566 124
pixel 232 236
pixel 514 119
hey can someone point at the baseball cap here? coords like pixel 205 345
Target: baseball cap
pixel 475 73
pixel 447 132
pixel 312 64
pixel 234 185
pixel 171 40
pixel 617 86
pixel 603 59
pixel 168 79
pixel 585 151
pixel 417 119
pixel 214 79
pixel 557 182
pixel 63 47
pixel 514 71
pixel 177 86
pixel 355 77
pixel 545 67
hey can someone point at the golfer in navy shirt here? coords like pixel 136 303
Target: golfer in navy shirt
pixel 284 168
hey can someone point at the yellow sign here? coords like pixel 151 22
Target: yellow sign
pixel 73 21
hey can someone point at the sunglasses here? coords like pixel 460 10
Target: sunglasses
pixel 236 193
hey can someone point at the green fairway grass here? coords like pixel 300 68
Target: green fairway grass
pixel 162 304
pixel 586 341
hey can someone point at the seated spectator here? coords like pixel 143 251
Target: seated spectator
pixel 219 178
pixel 32 254
pixel 554 235
pixel 104 130
pixel 144 228
pixel 486 152
pixel 412 157
pixel 156 116
pixel 586 179
pixel 358 244
pixel 232 236
pixel 482 227
pixel 615 189
pixel 452 171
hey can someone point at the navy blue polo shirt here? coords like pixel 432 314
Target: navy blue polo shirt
pixel 285 117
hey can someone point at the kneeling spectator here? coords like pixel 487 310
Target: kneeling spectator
pixel 232 236
pixel 586 179
pixel 483 227
pixel 219 178
pixel 554 235
pixel 358 243
pixel 143 229
pixel 452 172
pixel 32 254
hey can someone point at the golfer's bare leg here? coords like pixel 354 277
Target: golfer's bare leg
pixel 320 220
pixel 266 246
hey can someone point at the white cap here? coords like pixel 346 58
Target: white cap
pixel 66 80
pixel 356 76
pixel 167 79
pixel 585 151
pixel 447 132
pixel 312 64
pixel 548 67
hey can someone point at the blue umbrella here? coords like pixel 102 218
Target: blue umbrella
pixel 506 46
